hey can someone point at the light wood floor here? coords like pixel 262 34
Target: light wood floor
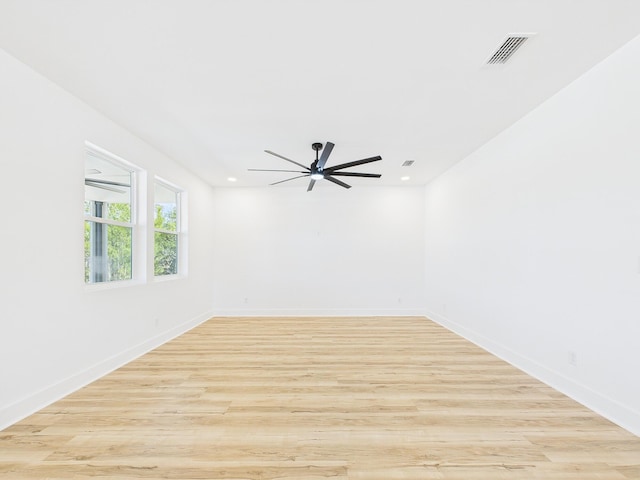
pixel 303 398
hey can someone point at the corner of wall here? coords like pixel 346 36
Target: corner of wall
pixel 19 410
pixel 622 415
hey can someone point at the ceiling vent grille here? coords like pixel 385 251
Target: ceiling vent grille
pixel 507 49
pixel 408 163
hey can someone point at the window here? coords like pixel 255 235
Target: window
pixel 109 210
pixel 166 222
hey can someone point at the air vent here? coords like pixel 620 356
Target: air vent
pixel 408 163
pixel 508 48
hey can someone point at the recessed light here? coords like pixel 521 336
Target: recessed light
pixel 404 179
pixel 232 179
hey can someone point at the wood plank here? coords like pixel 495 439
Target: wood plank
pixel 313 398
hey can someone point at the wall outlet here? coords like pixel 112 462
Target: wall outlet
pixel 572 358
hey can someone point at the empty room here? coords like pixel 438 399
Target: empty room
pixel 341 239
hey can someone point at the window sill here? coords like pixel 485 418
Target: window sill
pixel 168 278
pixel 95 287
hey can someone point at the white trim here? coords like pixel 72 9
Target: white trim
pixel 178 191
pixel 623 415
pixel 170 232
pixel 319 312
pixel 48 395
pixel 137 218
pixel 106 221
pixel 167 278
pixel 111 157
pixel 168 184
pixel 179 232
pixel 88 287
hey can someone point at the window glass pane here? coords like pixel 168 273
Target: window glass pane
pixel 87 251
pixel 165 208
pixel 107 252
pixel 107 190
pixel 166 254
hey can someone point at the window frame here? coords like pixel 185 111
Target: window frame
pixel 179 231
pixel 136 174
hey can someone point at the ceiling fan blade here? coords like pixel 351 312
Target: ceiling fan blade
pixel 326 151
pixel 104 187
pixel 292 178
pixel 311 184
pixel 352 164
pixel 106 182
pixel 356 174
pixel 336 181
pixel 285 158
pixel 268 170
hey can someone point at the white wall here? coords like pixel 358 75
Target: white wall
pixel 332 251
pixel 54 334
pixel 532 246
pixel 533 242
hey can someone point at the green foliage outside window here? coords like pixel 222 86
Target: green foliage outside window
pixel 87 251
pixel 120 212
pixel 165 242
pixel 118 263
pixel 119 252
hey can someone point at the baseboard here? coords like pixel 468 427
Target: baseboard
pixel 319 312
pixel 620 414
pixel 48 395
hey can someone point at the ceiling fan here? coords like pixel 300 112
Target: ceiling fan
pixel 318 171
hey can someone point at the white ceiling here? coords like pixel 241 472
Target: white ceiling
pixel 213 83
